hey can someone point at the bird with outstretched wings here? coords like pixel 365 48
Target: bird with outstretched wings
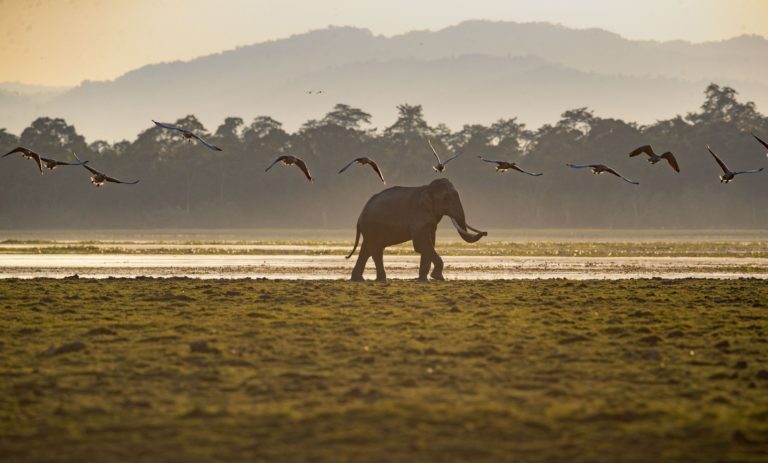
pixel 503 166
pixel 602 168
pixel 653 158
pixel 28 154
pixel 440 167
pixel 187 134
pixel 363 161
pixel 292 160
pixel 728 175
pixel 100 178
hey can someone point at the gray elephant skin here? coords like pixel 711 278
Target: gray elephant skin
pixel 401 214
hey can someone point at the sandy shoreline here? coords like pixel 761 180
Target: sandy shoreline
pixel 398 267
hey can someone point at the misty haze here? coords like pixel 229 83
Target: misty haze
pixel 485 231
pixel 474 72
pixel 187 186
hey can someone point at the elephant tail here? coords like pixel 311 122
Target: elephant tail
pixel 357 240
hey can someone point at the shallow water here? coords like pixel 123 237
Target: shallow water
pixel 347 235
pixel 336 267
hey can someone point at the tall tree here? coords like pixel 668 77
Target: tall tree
pixel 53 136
pixel 346 117
pixel 410 122
pixel 230 130
pixel 721 105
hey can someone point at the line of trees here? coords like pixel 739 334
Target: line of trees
pixel 188 186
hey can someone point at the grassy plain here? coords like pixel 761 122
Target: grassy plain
pixel 151 370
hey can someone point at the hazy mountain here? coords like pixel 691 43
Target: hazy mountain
pixel 477 71
pixel 21 103
pixel 34 91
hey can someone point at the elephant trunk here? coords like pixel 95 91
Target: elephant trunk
pixel 461 226
pixel 457 218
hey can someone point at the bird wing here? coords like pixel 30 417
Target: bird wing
pixel 36 157
pixel 645 149
pixel 114 180
pixel 375 167
pixel 80 162
pixel 279 158
pixel 671 160
pixel 168 126
pixel 611 171
pixel 20 149
pixel 452 157
pixel 515 167
pixel 434 151
pixel 52 161
pixel 62 163
pixel 349 164
pixel 762 142
pixel 490 160
pixel 581 166
pixel 753 171
pixel 94 171
pixel 301 165
pixel 719 162
pixel 106 177
pixel 28 152
pixel 201 140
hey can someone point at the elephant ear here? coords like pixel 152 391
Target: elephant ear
pixel 424 210
pixel 425 201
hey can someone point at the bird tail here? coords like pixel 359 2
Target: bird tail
pixel 357 240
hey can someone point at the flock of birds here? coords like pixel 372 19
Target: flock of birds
pixel 99 178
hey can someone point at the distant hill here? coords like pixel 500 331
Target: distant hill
pixel 476 71
pixel 21 103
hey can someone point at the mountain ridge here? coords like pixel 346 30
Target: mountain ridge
pixel 266 78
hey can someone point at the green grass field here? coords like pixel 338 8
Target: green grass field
pixel 190 370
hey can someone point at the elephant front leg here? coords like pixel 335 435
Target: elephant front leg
pixel 424 245
pixel 424 265
pixel 437 272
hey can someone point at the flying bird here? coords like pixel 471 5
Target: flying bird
pixel 100 178
pixel 653 158
pixel 292 160
pixel 363 161
pixel 187 134
pixel 762 142
pixel 28 154
pixel 503 166
pixel 440 167
pixel 51 164
pixel 601 168
pixel 728 174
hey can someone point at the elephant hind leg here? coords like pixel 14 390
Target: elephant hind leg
pixel 362 259
pixel 378 259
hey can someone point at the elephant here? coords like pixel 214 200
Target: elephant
pixel 399 214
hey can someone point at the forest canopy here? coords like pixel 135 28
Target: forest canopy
pixel 186 185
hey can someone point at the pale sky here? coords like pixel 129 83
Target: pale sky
pixel 62 42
